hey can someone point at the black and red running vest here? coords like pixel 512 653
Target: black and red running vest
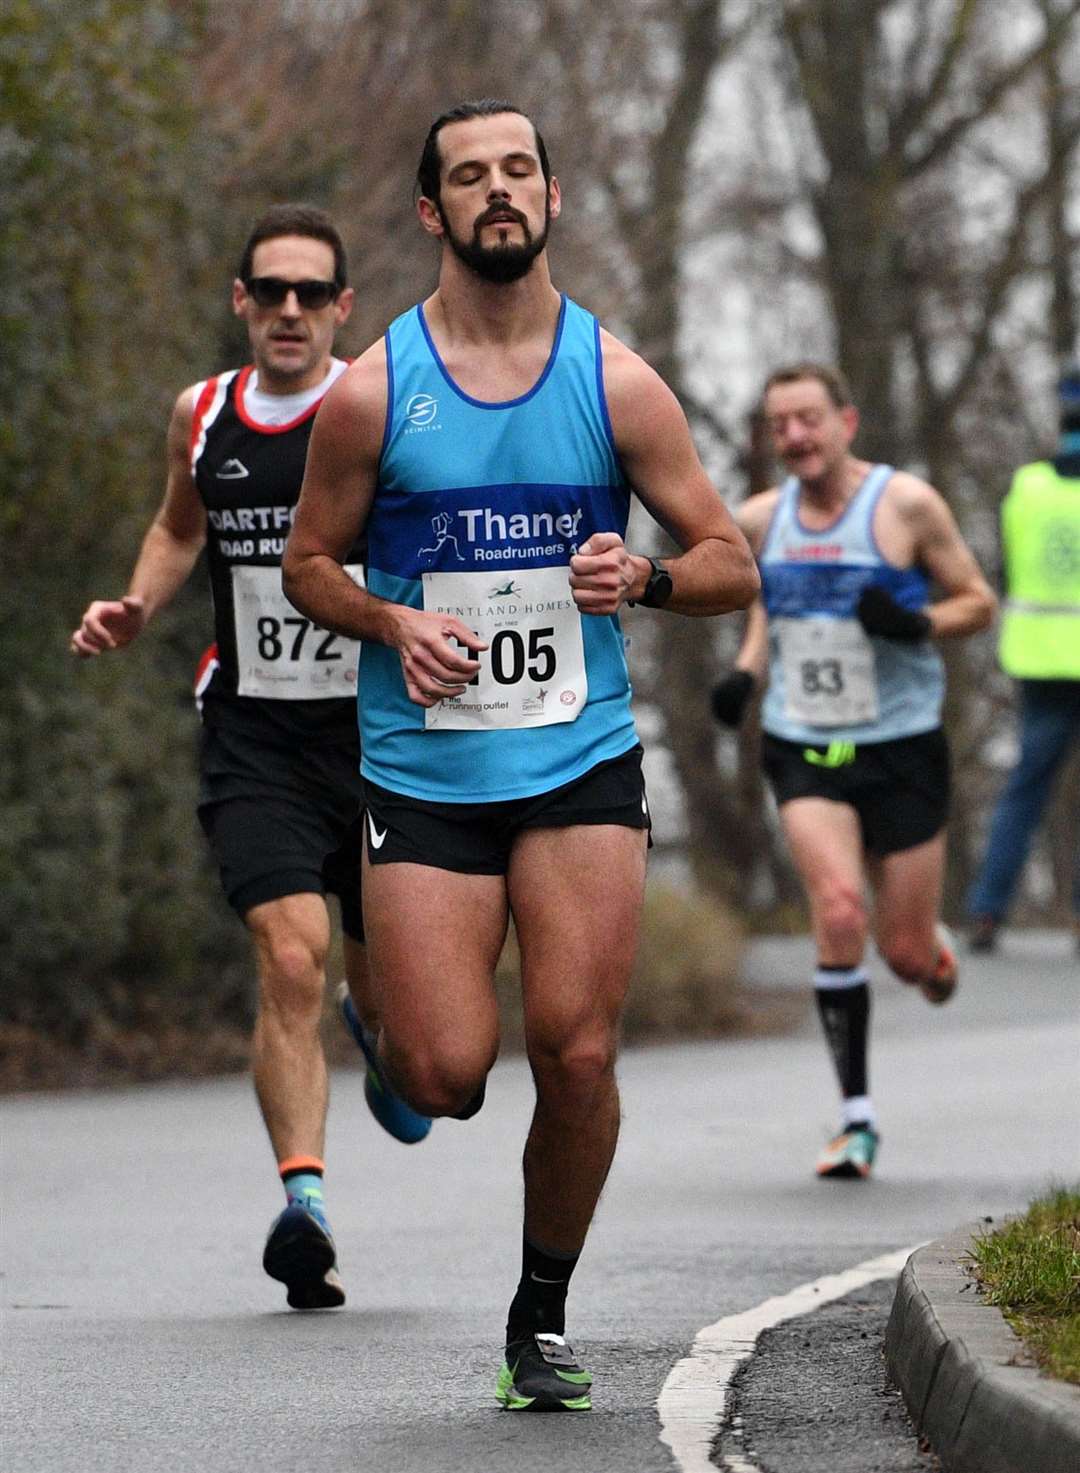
pixel 273 665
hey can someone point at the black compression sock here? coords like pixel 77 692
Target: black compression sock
pixel 540 1301
pixel 845 1016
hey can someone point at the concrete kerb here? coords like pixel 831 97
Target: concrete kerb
pixel 960 1369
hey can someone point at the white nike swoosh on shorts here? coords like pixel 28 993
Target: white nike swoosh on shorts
pixel 376 837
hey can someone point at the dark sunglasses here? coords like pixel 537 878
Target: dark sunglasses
pixel 271 291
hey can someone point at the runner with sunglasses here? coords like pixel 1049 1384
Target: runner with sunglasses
pixel 280 790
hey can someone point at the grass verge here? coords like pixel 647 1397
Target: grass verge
pixel 1030 1269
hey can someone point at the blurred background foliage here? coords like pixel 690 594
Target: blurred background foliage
pixel 891 184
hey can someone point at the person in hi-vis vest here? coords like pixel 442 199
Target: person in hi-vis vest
pixel 1040 648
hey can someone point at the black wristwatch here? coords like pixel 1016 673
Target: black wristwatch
pixel 657 589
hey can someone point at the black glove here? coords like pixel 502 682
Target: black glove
pixel 879 613
pixel 731 696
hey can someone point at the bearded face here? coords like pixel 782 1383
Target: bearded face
pixel 510 254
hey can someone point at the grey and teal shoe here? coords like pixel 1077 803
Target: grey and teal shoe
pixel 395 1116
pixel 851 1153
pixel 540 1374
pixel 300 1254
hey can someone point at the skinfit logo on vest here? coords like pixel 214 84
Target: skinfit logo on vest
pixel 495 537
pixel 422 411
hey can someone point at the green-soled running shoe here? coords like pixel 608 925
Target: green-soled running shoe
pixel 851 1153
pixel 540 1374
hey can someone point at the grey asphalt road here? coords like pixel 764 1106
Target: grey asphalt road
pixel 140 1333
pixel 816 1397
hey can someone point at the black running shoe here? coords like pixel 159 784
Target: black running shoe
pixel 300 1254
pixel 540 1374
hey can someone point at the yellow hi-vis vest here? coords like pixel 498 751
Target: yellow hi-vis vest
pixel 1040 531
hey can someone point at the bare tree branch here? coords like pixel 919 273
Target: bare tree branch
pixel 992 93
pixel 996 284
pixel 918 106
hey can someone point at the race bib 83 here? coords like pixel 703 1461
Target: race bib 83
pixel 830 677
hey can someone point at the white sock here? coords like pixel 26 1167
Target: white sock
pixel 858 1107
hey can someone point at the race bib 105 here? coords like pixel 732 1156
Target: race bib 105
pixel 533 670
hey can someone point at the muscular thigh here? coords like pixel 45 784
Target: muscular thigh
pixel 433 938
pixel 576 894
pixel 907 890
pixel 825 841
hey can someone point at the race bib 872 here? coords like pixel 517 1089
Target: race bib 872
pixel 280 655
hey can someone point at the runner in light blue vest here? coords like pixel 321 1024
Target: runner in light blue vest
pixel 853 745
pixel 828 678
pixel 479 508
pixel 488 447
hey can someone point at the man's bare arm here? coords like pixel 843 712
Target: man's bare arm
pixel 969 603
pixel 752 518
pixel 731 695
pixel 753 655
pixel 333 509
pixel 716 571
pixel 335 502
pixel 169 551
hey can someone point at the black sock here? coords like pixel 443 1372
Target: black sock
pixel 540 1301
pixel 845 1017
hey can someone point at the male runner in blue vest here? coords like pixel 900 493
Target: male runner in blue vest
pixel 853 745
pixel 279 792
pixel 502 768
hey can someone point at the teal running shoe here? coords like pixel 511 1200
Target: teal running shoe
pixel 396 1117
pixel 540 1374
pixel 300 1254
pixel 851 1153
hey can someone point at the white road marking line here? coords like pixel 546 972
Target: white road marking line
pixel 693 1399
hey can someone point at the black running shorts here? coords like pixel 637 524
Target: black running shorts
pixel 282 820
pixel 476 838
pixel 899 789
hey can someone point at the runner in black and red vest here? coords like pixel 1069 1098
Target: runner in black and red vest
pixel 280 791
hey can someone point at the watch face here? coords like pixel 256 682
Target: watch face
pixel 658 588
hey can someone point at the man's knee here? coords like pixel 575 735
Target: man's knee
pixel 841 918
pixel 440 1081
pixel 574 1063
pixel 291 975
pixel 911 957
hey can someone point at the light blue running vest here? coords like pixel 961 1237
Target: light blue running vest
pixel 820 575
pixel 494 489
